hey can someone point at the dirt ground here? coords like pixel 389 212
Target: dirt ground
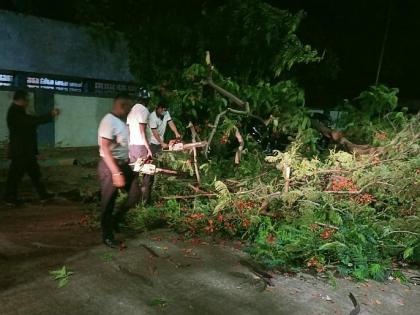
pixel 159 272
pixel 44 235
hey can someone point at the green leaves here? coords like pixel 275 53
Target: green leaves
pixel 223 195
pixel 160 302
pixel 61 276
pixel 335 217
pixel 378 99
pixel 221 189
pixel 332 246
pixel 370 116
pixel 408 252
pixel 377 271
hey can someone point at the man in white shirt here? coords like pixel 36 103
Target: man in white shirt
pixel 114 169
pixel 158 121
pixel 139 146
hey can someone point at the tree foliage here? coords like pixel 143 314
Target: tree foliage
pixel 249 39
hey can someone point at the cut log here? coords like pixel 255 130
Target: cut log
pixel 338 137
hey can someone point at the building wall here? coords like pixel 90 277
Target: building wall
pixel 40 45
pixel 77 125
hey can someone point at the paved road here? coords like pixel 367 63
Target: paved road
pixel 161 274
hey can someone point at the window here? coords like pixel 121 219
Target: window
pixel 6 79
pixel 51 84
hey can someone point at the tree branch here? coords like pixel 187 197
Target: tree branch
pixel 194 149
pixel 238 153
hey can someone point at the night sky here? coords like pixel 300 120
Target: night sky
pixel 350 32
pixel 353 31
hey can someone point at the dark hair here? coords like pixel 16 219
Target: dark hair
pixel 161 104
pixel 20 95
pixel 122 96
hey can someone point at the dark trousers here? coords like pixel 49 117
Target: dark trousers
pixel 140 151
pixel 156 148
pixel 19 166
pixel 109 193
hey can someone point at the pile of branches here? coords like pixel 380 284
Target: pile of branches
pixel 351 211
pixel 344 214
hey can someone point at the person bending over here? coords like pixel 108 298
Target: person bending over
pixel 158 121
pixel 137 121
pixel 114 169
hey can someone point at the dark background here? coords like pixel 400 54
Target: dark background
pixel 350 32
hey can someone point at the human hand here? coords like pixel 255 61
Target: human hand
pixel 118 180
pixel 164 145
pixel 55 112
pixel 149 154
pixel 177 136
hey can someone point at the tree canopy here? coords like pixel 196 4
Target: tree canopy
pixel 250 40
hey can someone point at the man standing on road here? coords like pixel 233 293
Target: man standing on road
pixel 114 169
pixel 23 147
pixel 137 121
pixel 158 121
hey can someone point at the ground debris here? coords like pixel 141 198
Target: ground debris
pixel 258 270
pixel 150 250
pixel 356 305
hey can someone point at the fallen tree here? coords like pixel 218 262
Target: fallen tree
pixel 336 214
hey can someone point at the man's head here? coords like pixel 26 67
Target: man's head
pixel 161 109
pixel 143 96
pixel 122 105
pixel 21 98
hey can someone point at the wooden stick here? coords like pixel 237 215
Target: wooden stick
pixel 209 195
pixel 213 131
pixel 196 189
pixel 286 174
pixel 331 171
pixel 194 149
pixel 407 232
pixel 234 99
pixel 327 225
pixel 240 148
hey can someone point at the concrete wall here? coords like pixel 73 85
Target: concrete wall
pixel 34 44
pixel 77 126
pixel 5 100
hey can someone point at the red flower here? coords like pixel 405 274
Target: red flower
pixel 327 233
pixel 270 238
pixel 341 183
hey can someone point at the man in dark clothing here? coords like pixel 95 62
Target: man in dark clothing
pixel 23 147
